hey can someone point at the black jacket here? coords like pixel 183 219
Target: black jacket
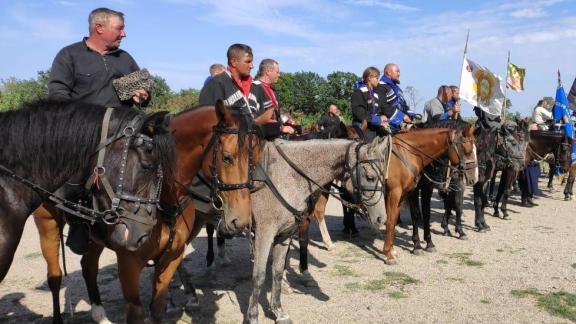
pixel 79 73
pixel 221 86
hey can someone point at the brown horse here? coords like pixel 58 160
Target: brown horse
pixel 221 151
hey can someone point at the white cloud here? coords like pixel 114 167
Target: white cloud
pixel 528 13
pixel 383 4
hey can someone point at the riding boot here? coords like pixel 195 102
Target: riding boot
pixel 77 239
pixel 530 202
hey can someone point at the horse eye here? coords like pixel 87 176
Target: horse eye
pixel 227 158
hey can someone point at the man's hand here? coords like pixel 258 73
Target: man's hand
pixel 383 119
pixel 140 95
pixel 287 129
pixel 407 119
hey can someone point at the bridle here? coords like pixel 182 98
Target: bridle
pixel 457 141
pixel 352 170
pixel 115 214
pixel 216 185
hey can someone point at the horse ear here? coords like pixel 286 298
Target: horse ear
pixel 156 123
pixel 222 111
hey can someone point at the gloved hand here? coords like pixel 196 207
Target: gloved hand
pixel 375 120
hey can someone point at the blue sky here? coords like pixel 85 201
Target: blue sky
pixel 179 39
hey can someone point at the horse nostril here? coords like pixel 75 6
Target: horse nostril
pixel 379 220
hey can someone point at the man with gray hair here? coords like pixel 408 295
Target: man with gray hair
pixel 85 70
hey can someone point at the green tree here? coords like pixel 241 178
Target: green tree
pixel 310 93
pixel 550 101
pixel 161 92
pixel 15 91
pixel 186 98
pixel 340 89
pixel 285 90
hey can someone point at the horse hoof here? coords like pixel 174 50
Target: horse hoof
pixel 285 288
pixel 463 237
pixel 431 249
pixel 447 233
pixel 285 319
pixel 390 261
pixel 99 315
pixel 330 247
pixel 418 251
pixel 193 303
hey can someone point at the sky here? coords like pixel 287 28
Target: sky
pixel 179 39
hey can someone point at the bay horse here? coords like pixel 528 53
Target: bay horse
pixel 213 139
pixel 451 188
pixel 47 143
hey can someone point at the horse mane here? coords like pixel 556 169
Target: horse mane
pixel 448 123
pixel 49 140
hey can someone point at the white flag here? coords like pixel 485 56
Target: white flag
pixel 480 87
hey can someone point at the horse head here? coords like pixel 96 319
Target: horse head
pixel 462 153
pixel 134 158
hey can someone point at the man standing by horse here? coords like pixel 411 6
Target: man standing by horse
pixel 330 121
pixel 439 106
pixel 85 71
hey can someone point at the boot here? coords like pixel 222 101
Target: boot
pixel 530 202
pixel 77 239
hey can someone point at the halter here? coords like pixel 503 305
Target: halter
pixel 216 185
pixel 114 215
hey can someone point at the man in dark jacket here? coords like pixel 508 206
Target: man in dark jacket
pixel 330 122
pixel 85 70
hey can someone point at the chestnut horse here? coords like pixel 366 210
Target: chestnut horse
pixel 48 143
pixel 212 139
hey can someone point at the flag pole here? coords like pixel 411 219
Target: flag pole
pixel 506 87
pixel 462 69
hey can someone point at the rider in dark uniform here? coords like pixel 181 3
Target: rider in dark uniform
pixel 330 122
pixel 369 108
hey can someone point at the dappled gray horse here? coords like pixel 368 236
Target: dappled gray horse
pixel 295 173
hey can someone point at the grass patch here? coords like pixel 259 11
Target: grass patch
pixel 397 295
pixel 484 301
pixel 353 286
pixel 341 270
pixel 464 259
pixel 455 279
pixel 561 303
pixel 499 250
pixel 442 262
pixel 390 279
pixel 574 265
pixel 33 255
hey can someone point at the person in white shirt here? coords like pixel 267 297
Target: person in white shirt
pixel 541 114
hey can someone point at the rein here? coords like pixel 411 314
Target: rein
pixel 110 216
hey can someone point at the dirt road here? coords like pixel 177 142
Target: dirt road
pixel 523 271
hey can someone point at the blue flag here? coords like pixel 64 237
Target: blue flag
pixel 561 110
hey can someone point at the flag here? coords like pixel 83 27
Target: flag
pixel 480 87
pixel 561 112
pixel 515 79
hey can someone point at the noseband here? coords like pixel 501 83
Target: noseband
pixel 114 215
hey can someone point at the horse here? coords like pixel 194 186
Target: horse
pixel 510 156
pixel 212 139
pixel 451 188
pixel 543 143
pixel 47 143
pixel 292 187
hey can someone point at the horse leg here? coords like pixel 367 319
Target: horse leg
pixel 189 288
pixel 448 206
pixel 129 270
pixel 393 208
pixel 279 254
pixel 490 193
pixel 426 198
pixel 262 245
pixel 551 172
pixel 303 242
pixel 457 201
pixel 416 216
pixel 210 251
pixel 569 186
pixel 222 259
pixel 319 213
pixel 12 223
pixel 50 229
pixel 89 263
pixel 479 204
pixel 163 274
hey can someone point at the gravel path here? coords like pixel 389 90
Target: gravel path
pixel 464 282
